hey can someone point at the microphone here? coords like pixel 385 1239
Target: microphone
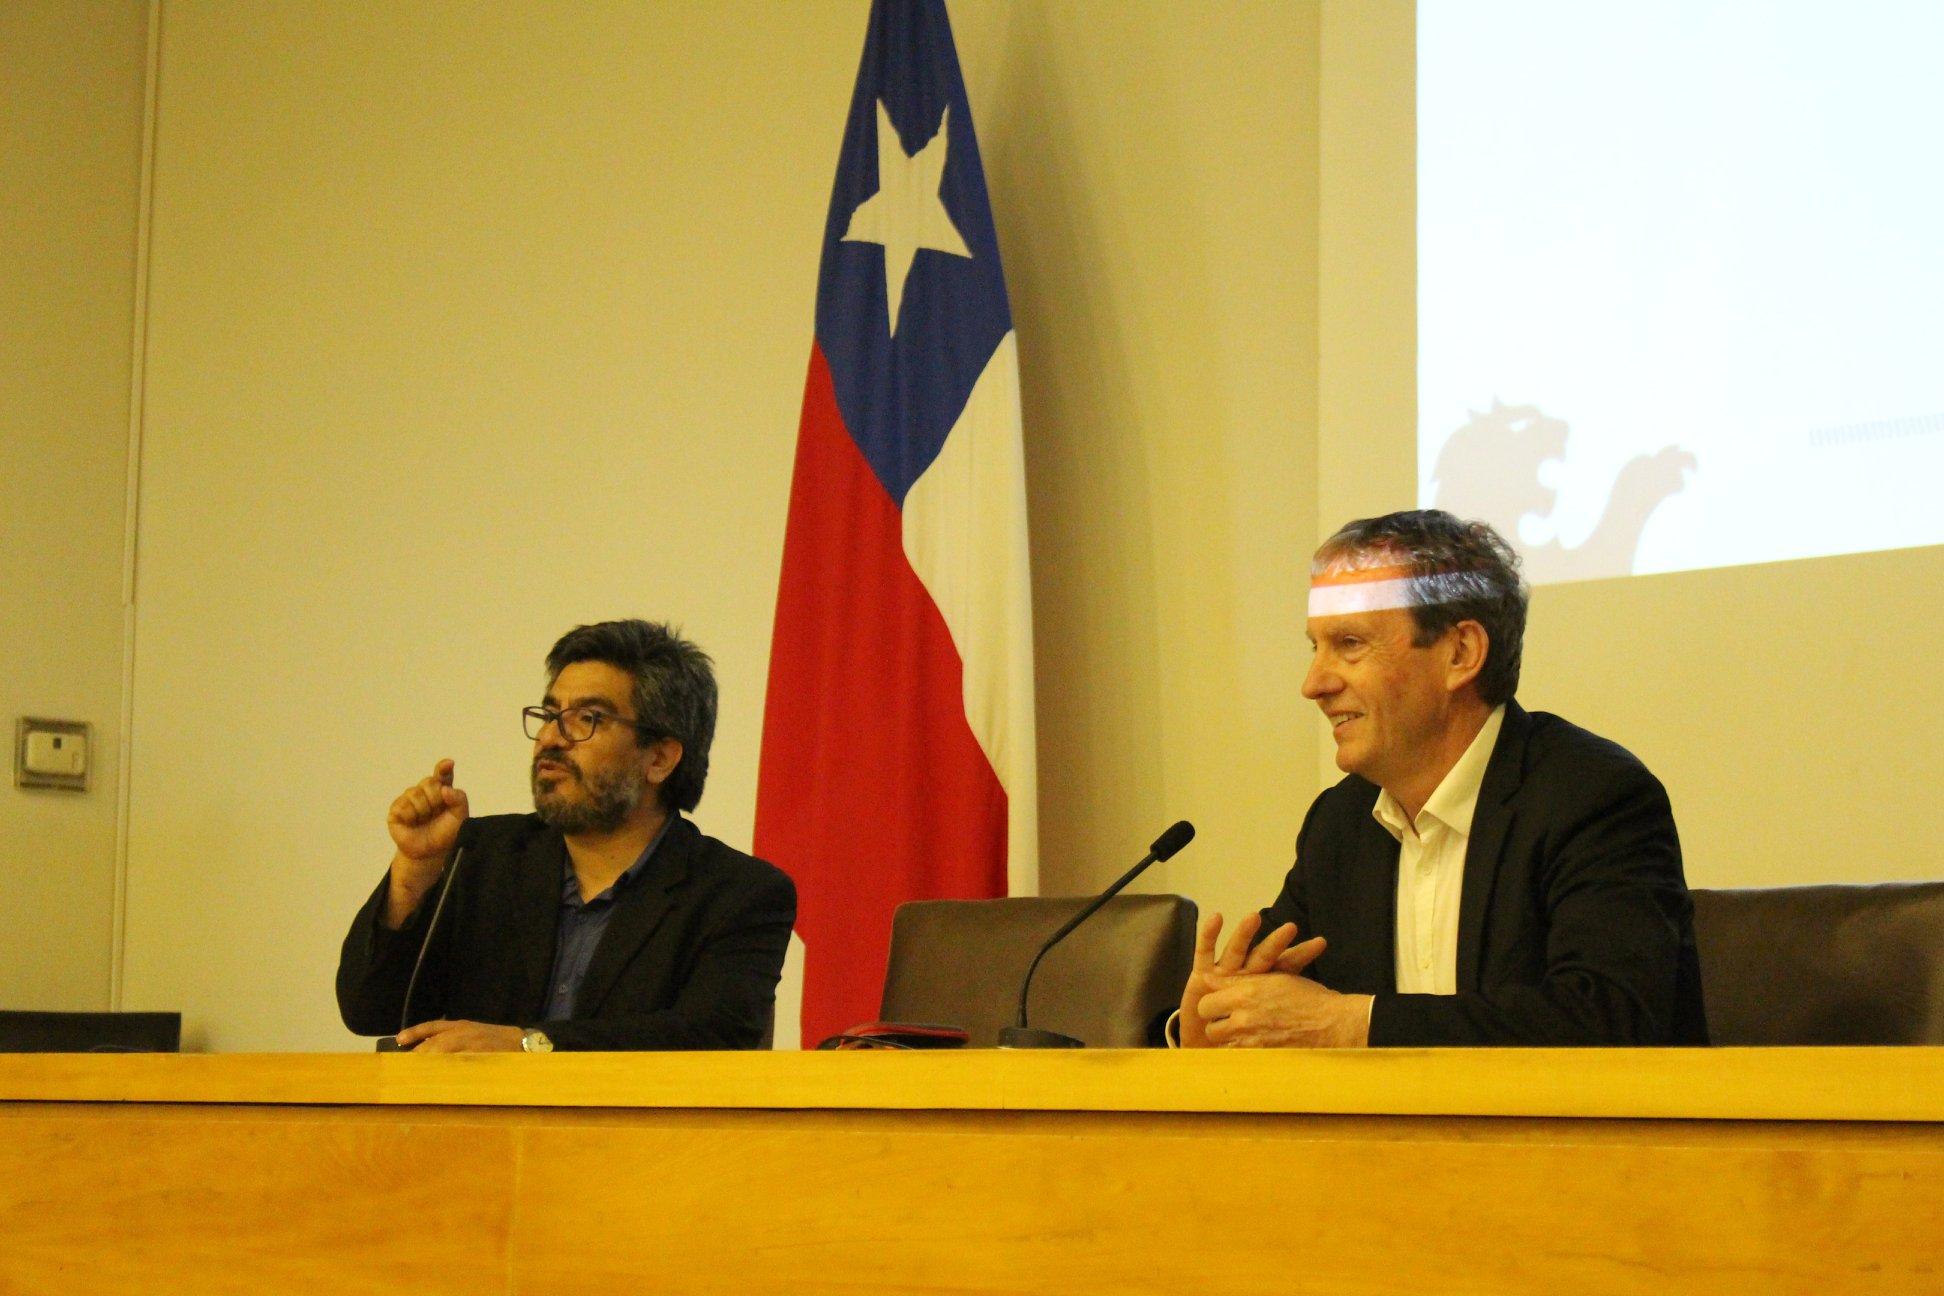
pixel 390 1044
pixel 1020 1035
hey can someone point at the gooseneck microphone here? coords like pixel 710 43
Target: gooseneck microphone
pixel 446 882
pixel 1020 1035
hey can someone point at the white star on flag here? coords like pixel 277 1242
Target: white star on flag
pixel 906 214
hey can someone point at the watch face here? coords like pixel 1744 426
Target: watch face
pixel 536 1042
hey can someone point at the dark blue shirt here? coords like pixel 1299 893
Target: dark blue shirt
pixel 581 925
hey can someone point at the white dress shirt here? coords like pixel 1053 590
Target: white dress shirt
pixel 1430 873
pixel 1431 867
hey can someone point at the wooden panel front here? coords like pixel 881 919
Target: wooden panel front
pixel 249 1200
pixel 109 1198
pixel 1123 1204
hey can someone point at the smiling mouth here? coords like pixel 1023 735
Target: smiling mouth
pixel 1343 718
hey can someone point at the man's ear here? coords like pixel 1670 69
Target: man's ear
pixel 1469 645
pixel 659 759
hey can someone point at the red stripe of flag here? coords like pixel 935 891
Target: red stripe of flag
pixel 873 788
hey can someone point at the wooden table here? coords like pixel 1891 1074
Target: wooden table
pixel 1444 1171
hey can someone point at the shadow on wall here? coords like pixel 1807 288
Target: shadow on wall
pixel 1490 470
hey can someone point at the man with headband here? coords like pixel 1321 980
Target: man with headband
pixel 603 920
pixel 1485 875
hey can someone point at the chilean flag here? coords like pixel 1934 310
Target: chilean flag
pixel 898 759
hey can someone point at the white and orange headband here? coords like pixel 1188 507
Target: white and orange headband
pixel 1339 587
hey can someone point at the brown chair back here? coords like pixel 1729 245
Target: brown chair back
pixel 1823 964
pixel 960 963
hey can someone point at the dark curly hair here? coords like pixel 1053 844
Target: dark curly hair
pixel 674 691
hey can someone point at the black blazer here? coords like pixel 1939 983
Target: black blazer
pixel 689 960
pixel 1574 925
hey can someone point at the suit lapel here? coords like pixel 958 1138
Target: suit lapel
pixel 1490 822
pixel 638 911
pixel 1381 853
pixel 535 917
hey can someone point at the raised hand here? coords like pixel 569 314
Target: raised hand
pixel 424 823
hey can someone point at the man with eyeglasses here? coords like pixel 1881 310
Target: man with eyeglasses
pixel 604 919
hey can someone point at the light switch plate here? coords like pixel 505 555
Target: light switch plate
pixel 51 754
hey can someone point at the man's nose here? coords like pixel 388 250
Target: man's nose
pixel 1320 681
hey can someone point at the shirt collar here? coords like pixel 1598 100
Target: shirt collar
pixel 1456 798
pixel 570 884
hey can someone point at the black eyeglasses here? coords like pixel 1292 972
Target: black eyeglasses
pixel 577 724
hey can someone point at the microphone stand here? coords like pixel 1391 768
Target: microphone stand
pixel 1020 1035
pixel 389 1043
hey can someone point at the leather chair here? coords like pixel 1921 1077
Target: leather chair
pixel 960 963
pixel 1823 964
pixel 90 1032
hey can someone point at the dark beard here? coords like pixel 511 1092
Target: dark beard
pixel 611 798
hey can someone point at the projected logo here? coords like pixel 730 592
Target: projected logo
pixel 1498 468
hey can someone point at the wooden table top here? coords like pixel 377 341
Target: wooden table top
pixel 1819 1084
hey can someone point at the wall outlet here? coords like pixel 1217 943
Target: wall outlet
pixel 51 754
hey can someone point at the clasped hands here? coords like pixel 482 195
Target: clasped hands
pixel 1258 998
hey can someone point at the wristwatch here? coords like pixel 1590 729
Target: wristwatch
pixel 535 1041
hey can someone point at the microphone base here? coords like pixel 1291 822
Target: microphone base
pixel 1028 1037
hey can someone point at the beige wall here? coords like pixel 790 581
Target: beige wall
pixel 470 322
pixel 1159 242
pixel 467 322
pixel 70 167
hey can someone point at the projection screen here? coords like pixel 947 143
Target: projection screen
pixel 1681 279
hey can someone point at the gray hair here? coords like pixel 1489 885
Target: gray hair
pixel 1460 571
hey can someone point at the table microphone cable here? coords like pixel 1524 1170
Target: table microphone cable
pixel 447 882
